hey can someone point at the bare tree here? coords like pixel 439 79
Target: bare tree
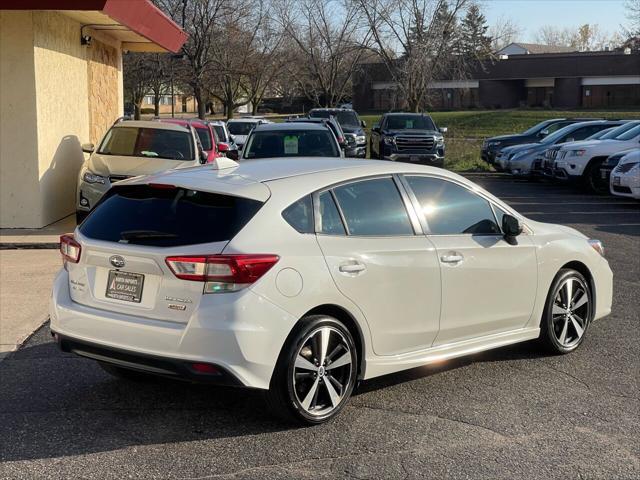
pixel 328 39
pixel 582 38
pixel 415 40
pixel 633 15
pixel 503 32
pixel 137 80
pixel 200 19
pixel 159 70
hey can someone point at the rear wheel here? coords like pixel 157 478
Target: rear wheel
pixel 316 372
pixel 567 313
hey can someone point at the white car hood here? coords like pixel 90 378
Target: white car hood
pixel 107 165
pixel 541 227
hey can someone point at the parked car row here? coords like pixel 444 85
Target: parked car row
pixel 600 155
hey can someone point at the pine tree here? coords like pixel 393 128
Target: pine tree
pixel 474 41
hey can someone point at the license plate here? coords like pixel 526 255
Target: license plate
pixel 125 286
pixel 616 180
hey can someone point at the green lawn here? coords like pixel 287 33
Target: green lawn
pixel 467 129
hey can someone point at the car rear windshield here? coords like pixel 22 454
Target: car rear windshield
pixel 292 143
pixel 240 128
pixel 410 122
pixel 167 217
pixel 148 142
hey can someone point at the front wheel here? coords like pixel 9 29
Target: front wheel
pixel 316 372
pixel 567 313
pixel 592 179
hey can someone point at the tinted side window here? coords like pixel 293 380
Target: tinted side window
pixel 451 209
pixel 300 215
pixel 373 207
pixel 330 221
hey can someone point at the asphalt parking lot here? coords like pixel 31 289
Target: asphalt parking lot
pixel 509 413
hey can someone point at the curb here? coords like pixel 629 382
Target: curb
pixel 27 337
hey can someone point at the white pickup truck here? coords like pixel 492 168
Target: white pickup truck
pixel 581 161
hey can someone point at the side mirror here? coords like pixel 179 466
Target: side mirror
pixel 376 128
pixel 544 133
pixel 570 139
pixel 204 156
pixel 443 129
pixel 363 124
pixel 511 226
pixel 223 147
pixel 88 147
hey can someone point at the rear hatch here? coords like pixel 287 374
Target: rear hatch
pixel 126 240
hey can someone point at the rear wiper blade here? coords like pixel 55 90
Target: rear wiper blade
pixel 138 234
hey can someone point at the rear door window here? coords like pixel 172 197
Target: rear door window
pixel 167 217
pixel 373 208
pixel 451 209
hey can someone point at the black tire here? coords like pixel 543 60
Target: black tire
pixel 552 326
pixel 282 396
pixel 127 374
pixel 592 180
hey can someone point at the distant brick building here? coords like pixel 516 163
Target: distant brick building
pixel 554 80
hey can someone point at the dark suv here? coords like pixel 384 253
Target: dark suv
pixel 491 146
pixel 408 137
pixel 351 124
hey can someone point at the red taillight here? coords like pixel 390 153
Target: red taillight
pixel 222 273
pixel 69 248
pixel 205 368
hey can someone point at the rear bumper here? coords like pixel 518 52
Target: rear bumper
pixel 153 364
pixel 242 333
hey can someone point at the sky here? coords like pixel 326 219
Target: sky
pixel 530 15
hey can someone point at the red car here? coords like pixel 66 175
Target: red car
pixel 206 134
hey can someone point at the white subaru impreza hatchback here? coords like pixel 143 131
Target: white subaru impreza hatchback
pixel 302 276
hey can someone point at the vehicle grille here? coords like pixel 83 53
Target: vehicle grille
pixel 625 167
pixel 118 178
pixel 406 142
pixel 619 189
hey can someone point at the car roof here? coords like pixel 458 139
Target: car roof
pixel 393 114
pixel 329 109
pixel 278 127
pixel 151 124
pixel 196 123
pixel 247 120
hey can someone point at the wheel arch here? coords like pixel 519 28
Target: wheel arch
pixel 586 273
pixel 340 313
pixel 590 163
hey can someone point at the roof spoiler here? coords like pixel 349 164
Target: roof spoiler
pixel 223 163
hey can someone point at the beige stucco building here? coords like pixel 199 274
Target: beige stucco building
pixel 58 91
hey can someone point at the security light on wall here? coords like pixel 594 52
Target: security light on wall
pixel 85 40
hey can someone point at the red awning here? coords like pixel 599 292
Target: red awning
pixel 140 16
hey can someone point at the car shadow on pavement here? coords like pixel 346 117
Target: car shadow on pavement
pixel 55 404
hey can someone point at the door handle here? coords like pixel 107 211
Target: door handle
pixel 452 258
pixel 352 268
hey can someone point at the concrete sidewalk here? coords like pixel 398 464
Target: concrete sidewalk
pixel 47 237
pixel 26 277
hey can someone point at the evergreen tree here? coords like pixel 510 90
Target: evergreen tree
pixel 474 41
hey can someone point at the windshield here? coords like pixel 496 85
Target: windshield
pixel 167 217
pixel 629 134
pixel 557 135
pixel 345 119
pixel 409 122
pixel 240 128
pixel 292 143
pixel 220 133
pixel 205 138
pixel 600 134
pixel 537 127
pixel 618 130
pixel 148 142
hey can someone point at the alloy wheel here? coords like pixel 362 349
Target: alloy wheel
pixel 322 371
pixel 570 312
